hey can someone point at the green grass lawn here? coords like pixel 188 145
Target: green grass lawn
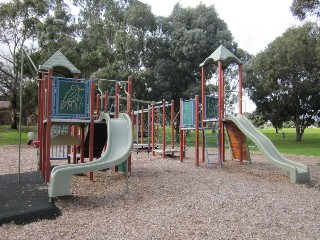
pixel 11 137
pixel 309 146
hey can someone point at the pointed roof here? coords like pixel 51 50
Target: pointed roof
pixel 224 55
pixel 59 60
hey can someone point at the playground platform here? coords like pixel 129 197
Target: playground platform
pixel 27 201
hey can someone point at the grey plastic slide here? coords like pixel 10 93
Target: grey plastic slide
pixel 299 173
pixel 119 145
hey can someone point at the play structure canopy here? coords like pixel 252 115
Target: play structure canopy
pixel 224 55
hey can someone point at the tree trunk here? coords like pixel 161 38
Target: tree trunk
pixel 298 133
pixel 14 106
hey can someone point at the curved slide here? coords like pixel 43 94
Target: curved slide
pixel 119 145
pixel 299 173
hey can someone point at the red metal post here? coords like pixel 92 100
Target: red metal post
pixel 240 109
pixel 197 130
pixel 163 128
pixel 152 130
pixel 222 115
pixel 48 125
pixel 116 112
pixel 91 139
pixel 106 96
pixel 172 124
pixel 129 109
pixel 220 109
pixel 181 133
pixel 142 125
pixel 240 89
pixel 97 106
pixel 40 116
pixel 203 99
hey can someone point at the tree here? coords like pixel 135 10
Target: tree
pixel 57 31
pixel 304 8
pixel 188 36
pixel 18 20
pixel 185 39
pixel 283 81
pixel 256 118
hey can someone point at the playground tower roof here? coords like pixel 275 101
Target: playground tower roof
pixel 222 54
pixel 60 64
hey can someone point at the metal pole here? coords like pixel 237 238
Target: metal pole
pixel 20 116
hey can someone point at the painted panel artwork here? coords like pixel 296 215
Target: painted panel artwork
pixel 188 113
pixel 71 98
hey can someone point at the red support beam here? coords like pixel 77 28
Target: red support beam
pixel 142 125
pixel 172 124
pixel 203 99
pixel 163 128
pixel 152 130
pixel 181 133
pixel 196 130
pixel 91 139
pixel 129 109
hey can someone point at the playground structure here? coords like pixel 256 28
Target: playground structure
pixel 237 127
pixel 68 103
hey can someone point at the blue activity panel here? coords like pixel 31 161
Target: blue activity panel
pixel 188 108
pixel 70 98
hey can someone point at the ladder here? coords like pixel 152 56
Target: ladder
pixel 212 141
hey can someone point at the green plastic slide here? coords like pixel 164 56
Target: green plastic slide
pixel 299 173
pixel 119 145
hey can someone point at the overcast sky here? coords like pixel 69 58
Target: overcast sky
pixel 253 23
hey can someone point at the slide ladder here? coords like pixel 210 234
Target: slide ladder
pixel 212 141
pixel 299 173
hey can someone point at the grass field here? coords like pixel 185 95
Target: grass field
pixel 309 146
pixel 11 137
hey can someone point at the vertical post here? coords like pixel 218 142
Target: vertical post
pixel 82 144
pixel 172 124
pixel 203 99
pixel 48 125
pixel 149 130
pixel 74 130
pixel 240 89
pixel 40 116
pixel 42 136
pixel 222 115
pixel 97 105
pixel 152 130
pixel 181 131
pixel 91 139
pixel 142 126
pixel 220 110
pixel 106 97
pixel 116 112
pixel 197 130
pixel 240 109
pixel 163 128
pixel 129 109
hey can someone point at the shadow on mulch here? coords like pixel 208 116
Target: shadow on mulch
pixel 27 201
